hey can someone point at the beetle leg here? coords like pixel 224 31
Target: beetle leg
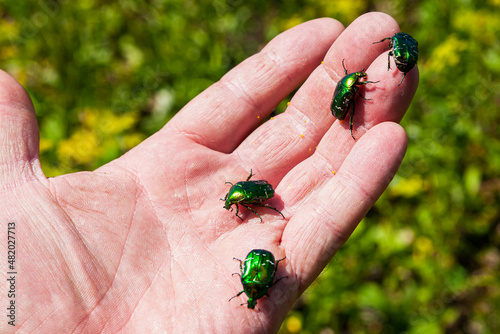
pixel 382 40
pixel 229 183
pixel 352 117
pixel 237 210
pixel 279 262
pixel 250 176
pixel 364 98
pixel 249 208
pixel 270 207
pixel 279 279
pixel 389 60
pixel 239 293
pixel 404 74
pixel 357 91
pixel 276 269
pixel 365 82
pixel 224 199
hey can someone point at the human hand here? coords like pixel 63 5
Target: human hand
pixel 143 243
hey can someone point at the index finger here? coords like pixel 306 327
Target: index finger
pixel 225 113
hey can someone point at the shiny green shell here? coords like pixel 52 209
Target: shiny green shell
pixel 249 193
pixel 345 93
pixel 404 49
pixel 257 275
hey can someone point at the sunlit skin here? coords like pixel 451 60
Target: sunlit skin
pixel 142 245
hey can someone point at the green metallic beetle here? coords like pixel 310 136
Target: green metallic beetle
pixel 257 275
pixel 345 92
pixel 404 49
pixel 249 192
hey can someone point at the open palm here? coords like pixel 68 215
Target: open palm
pixel 143 244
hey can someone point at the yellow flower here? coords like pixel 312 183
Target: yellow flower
pixel 409 187
pixel 81 148
pixel 132 140
pixel 482 25
pixel 344 10
pixel 422 248
pixel 293 324
pixel 45 144
pixel 446 55
pixel 102 137
pixel 106 122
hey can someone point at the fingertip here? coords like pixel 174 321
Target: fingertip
pixel 321 32
pixel 325 25
pixel 328 24
pixel 380 21
pixel 356 43
pixel 384 145
pixel 388 132
pixel 390 97
pixel 19 136
pixel 12 93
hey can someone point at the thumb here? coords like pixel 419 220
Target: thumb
pixel 19 137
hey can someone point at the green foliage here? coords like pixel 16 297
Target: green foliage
pixel 104 75
pixel 142 58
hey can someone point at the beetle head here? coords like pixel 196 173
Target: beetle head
pixel 251 303
pixel 361 74
pixel 227 205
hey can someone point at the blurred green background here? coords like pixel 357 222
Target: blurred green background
pixel 104 75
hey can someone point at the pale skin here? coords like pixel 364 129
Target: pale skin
pixel 144 245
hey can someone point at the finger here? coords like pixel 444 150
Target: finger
pixel 18 134
pixel 229 110
pixel 293 136
pixel 330 214
pixel 387 101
